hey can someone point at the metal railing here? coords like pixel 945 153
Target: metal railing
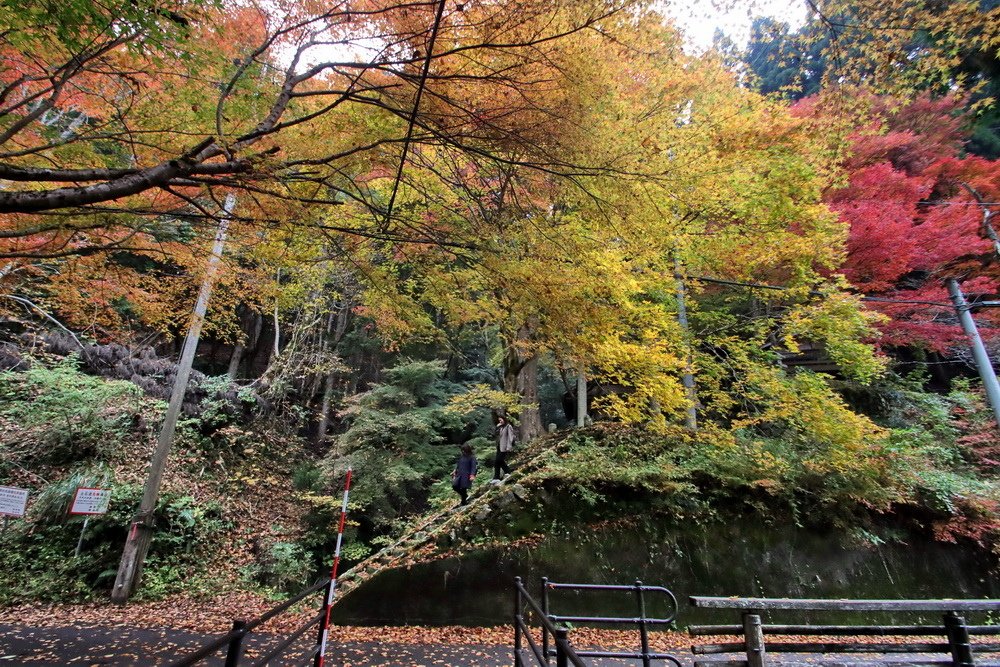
pixel 564 653
pixel 641 620
pixel 234 639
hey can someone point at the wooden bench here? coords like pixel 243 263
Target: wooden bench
pixel 883 640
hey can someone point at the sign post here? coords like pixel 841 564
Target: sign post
pixel 88 502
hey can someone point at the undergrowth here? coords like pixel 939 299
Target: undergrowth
pixel 246 507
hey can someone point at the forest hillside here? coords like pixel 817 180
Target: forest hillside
pixel 246 247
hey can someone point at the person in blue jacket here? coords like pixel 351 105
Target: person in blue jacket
pixel 465 472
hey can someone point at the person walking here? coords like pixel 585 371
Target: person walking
pixel 506 435
pixel 465 472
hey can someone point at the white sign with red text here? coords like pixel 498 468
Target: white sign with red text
pixel 13 501
pixel 90 501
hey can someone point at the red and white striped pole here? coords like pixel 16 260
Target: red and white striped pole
pixel 328 603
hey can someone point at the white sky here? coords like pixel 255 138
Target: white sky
pixel 700 18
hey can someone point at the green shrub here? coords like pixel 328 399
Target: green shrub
pixel 397 443
pixel 54 414
pixel 307 476
pixel 284 566
pixel 40 565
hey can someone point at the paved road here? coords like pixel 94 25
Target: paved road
pixel 90 645
pixel 76 645
pixel 119 646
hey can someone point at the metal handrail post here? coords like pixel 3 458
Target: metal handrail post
pixel 545 611
pixel 235 650
pixel 561 636
pixel 517 624
pixel 643 625
pixel 958 640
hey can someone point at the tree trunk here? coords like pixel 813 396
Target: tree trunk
pixel 324 410
pixel 253 354
pixel 277 324
pixel 248 320
pixel 339 329
pixel 234 361
pixel 527 386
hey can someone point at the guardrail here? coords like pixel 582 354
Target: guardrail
pixel 233 640
pixel 873 638
pixel 564 652
pixel 641 620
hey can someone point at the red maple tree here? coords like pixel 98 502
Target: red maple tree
pixel 915 221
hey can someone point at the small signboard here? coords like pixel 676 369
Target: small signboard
pixel 90 501
pixel 12 501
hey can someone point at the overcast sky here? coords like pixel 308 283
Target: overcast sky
pixel 700 18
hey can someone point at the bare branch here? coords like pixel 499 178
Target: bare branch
pixel 31 305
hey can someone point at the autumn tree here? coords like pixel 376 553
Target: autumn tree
pixel 905 45
pixel 900 48
pixel 915 220
pixel 122 137
pixel 248 75
pixel 715 178
pixel 122 131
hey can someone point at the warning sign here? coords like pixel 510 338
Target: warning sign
pixel 90 501
pixel 13 501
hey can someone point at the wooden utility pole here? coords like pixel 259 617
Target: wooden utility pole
pixel 141 532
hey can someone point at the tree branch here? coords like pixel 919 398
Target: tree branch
pixel 33 306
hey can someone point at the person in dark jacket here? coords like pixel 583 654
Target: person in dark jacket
pixel 465 472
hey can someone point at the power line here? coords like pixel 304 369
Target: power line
pixel 930 204
pixel 736 283
pixel 912 301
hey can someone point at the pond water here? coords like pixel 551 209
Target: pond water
pixel 738 559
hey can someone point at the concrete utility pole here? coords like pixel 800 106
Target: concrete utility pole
pixel 141 532
pixel 581 399
pixel 691 418
pixel 982 359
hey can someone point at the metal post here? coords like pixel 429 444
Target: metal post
pixel 517 622
pixel 562 660
pixel 581 398
pixel 643 629
pixel 235 650
pixel 322 630
pixel 545 612
pixel 958 640
pixel 978 349
pixel 754 634
pixel 79 543
pixel 332 588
